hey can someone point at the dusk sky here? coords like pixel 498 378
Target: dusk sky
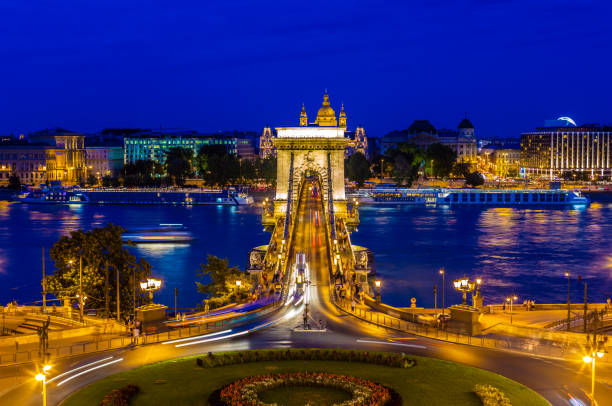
pixel 246 64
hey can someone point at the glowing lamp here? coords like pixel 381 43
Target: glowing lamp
pixel 600 354
pixel 587 359
pixel 238 283
pixel 377 283
pixel 40 377
pixel 46 368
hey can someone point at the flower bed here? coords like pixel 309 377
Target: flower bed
pixel 491 396
pixel 245 392
pixel 240 357
pixel 121 396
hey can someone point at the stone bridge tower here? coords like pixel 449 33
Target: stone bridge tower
pixel 314 147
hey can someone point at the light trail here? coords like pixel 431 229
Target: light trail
pixel 213 339
pixel 392 343
pixel 89 370
pixel 180 340
pixel 79 368
pixel 299 301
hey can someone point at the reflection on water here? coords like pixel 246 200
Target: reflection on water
pixel 520 251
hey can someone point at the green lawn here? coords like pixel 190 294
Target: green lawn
pixel 182 382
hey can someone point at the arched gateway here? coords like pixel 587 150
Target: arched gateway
pixel 315 148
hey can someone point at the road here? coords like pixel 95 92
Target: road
pixel 560 382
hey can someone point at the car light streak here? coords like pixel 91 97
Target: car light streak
pixel 391 343
pixel 299 301
pixel 213 339
pixel 180 340
pixel 89 370
pixel 79 368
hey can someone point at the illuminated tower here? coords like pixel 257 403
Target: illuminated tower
pixel 342 118
pixel 266 147
pixel 303 117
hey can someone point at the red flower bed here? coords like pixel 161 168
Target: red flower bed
pixel 245 392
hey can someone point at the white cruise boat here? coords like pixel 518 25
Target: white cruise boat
pixel 52 196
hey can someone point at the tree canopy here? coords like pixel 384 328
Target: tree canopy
pixel 101 250
pixel 474 179
pixel 222 288
pixel 441 159
pixel 179 164
pixel 358 168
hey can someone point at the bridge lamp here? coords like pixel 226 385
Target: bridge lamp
pixel 464 286
pixel 377 283
pixel 478 283
pixel 151 285
pixel 238 283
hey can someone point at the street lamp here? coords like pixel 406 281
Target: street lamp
pixel 511 300
pixel 567 275
pixel 590 359
pixel 464 286
pixel 377 284
pixel 151 285
pixel 42 377
pixel 443 283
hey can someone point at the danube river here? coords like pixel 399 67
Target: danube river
pixel 515 250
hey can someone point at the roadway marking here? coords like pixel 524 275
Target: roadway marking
pixel 391 343
pixel 89 370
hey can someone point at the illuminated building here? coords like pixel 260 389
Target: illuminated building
pixel 104 160
pixel 559 147
pixel 27 162
pixel 423 134
pixel 266 147
pixel 154 147
pixel 66 161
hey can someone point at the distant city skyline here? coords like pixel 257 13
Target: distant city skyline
pixel 510 65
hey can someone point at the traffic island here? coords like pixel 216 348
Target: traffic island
pixel 418 380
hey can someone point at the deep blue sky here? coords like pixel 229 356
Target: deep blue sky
pixel 244 64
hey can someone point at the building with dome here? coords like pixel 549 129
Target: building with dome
pixel 423 134
pixel 326 117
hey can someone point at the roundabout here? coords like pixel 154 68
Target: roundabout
pixel 299 377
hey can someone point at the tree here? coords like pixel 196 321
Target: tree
pixel 14 183
pixel 206 151
pixel 92 180
pixel 178 164
pixel 441 159
pixel 248 172
pixel 103 253
pixel 474 179
pixel 358 168
pixel 142 173
pixel 221 288
pixel 109 181
pixel 461 169
pixel 266 169
pixel 405 161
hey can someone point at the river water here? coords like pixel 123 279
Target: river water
pixel 522 251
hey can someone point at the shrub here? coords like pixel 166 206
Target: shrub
pixel 390 359
pixel 491 396
pixel 121 396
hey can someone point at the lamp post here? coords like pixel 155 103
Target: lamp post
pixel 464 285
pixel 443 283
pixel 377 284
pixel 567 275
pixel 596 350
pixel 151 285
pixel 511 300
pixel 42 377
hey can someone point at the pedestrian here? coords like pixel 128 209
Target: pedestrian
pixel 504 307
pixel 353 305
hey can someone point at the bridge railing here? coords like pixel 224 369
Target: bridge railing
pixel 568 350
